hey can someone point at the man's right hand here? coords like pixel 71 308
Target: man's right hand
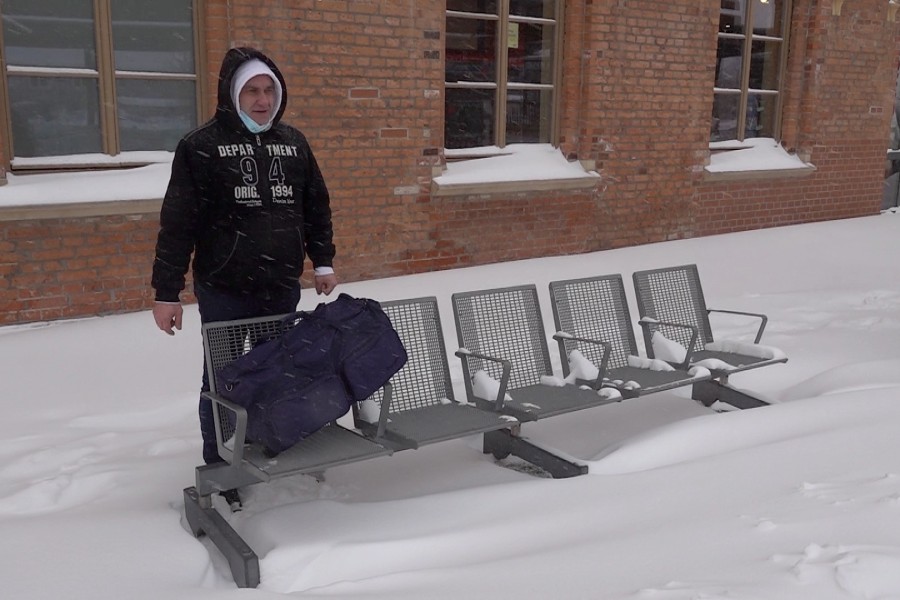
pixel 168 315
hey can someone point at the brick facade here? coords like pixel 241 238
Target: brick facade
pixel 365 83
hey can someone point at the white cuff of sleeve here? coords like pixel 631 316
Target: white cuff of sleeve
pixel 164 302
pixel 324 271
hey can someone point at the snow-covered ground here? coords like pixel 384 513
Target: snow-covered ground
pixel 800 500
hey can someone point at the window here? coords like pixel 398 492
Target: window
pixel 98 76
pixel 500 72
pixel 749 69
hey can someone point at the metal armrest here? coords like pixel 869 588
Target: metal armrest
pixel 385 409
pixel 763 319
pixel 464 355
pixel 690 349
pixel 240 427
pixel 562 337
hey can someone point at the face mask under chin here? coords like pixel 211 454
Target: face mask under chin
pixel 252 125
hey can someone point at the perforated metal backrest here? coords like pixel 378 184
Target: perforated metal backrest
pixel 225 341
pixel 594 308
pixel 504 323
pixel 425 379
pixel 674 294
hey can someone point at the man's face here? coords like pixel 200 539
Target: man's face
pixel 257 98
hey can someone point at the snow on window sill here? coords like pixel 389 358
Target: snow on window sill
pixel 90 193
pixel 90 161
pixel 515 168
pixel 754 158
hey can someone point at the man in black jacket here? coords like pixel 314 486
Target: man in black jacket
pixel 246 198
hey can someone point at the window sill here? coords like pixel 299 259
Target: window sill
pixel 515 168
pixel 753 159
pixel 84 193
pixel 77 210
pixel 757 174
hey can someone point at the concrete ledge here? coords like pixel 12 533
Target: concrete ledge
pixel 755 175
pixel 508 187
pixel 79 209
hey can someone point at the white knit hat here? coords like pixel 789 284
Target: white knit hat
pixel 248 71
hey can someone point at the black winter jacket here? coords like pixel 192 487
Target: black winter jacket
pixel 248 206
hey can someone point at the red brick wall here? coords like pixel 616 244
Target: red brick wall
pixel 61 268
pixel 842 71
pixel 638 102
pixel 365 84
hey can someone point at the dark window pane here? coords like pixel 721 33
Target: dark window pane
pixel 764 65
pixel 528 116
pixel 49 33
pixel 768 18
pixel 731 16
pixel 54 116
pixel 473 6
pixel 761 115
pixel 544 9
pixel 153 114
pixel 469 118
pixel 530 53
pixel 471 50
pixel 728 63
pixel 155 36
pixel 724 117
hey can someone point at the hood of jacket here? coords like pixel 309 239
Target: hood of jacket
pixel 226 111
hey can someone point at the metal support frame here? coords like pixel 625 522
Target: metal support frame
pixel 241 558
pixel 503 442
pixel 708 392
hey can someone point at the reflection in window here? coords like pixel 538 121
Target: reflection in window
pixel 746 99
pixel 62 98
pixel 54 116
pixel 500 80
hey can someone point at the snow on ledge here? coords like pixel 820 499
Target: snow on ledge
pixel 520 166
pixel 753 155
pixel 82 187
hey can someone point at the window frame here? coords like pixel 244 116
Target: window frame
pixel 502 85
pixel 744 92
pixel 106 75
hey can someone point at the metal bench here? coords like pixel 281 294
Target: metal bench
pixel 423 409
pixel 671 304
pixel 501 333
pixel 596 308
pixel 416 408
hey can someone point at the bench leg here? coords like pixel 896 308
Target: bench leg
pixel 708 392
pixel 242 560
pixel 503 442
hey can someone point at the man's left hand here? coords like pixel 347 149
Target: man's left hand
pixel 326 283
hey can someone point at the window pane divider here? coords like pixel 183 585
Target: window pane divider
pixel 535 20
pixel 155 75
pixel 767 38
pixel 52 71
pixel 471 15
pixel 481 85
pixel 529 86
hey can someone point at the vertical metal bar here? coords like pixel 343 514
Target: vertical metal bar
pixel 200 60
pixel 556 80
pixel 785 34
pixel 502 72
pixel 747 56
pixel 5 119
pixel 109 128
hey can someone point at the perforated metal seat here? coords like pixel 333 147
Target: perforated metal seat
pixel 596 308
pixel 423 409
pixel 503 332
pixel 671 301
